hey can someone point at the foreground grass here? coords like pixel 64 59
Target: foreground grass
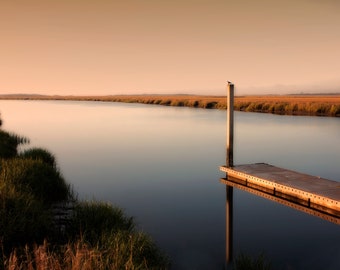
pixel 319 105
pixel 92 235
pixel 106 240
pixel 122 253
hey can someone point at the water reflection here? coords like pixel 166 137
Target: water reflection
pixel 160 165
pixel 229 208
pixel 232 183
pixel 301 205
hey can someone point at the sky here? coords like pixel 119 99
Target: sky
pixel 108 47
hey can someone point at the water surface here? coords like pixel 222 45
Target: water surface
pixel 160 164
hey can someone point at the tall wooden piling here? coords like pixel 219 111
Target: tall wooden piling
pixel 230 163
pixel 230 125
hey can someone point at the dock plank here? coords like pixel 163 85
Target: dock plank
pixel 312 189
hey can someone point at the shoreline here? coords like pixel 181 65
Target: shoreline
pixel 305 105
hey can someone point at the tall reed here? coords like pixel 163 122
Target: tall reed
pixel 122 253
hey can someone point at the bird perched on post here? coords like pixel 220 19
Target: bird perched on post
pixel 229 82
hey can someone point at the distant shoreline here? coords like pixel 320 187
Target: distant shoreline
pixel 307 104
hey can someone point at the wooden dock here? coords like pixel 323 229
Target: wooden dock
pixel 311 194
pixel 301 189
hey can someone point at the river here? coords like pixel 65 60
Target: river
pixel 160 164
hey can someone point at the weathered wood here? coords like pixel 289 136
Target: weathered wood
pixel 314 192
pixel 230 126
pixel 230 163
pixel 326 214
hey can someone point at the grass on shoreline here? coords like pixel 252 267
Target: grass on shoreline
pixel 316 105
pixel 93 235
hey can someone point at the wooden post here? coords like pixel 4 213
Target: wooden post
pixel 230 163
pixel 230 125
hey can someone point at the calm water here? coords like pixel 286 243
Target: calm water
pixel 160 164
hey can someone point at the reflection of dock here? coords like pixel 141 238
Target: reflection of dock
pixel 310 194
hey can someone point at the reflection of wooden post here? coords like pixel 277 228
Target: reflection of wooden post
pixel 230 125
pixel 229 224
pixel 230 163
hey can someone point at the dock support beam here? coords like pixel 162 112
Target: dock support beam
pixel 230 163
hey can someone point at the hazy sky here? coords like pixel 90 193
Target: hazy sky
pixel 88 47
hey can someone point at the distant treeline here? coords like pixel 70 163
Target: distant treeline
pixel 319 105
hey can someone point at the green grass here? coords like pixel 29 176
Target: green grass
pixel 97 235
pixel 28 187
pixel 39 154
pixel 91 219
pixel 34 177
pixel 9 143
pixel 107 228
pixel 23 220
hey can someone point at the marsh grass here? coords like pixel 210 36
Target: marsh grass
pixel 28 187
pixel 9 143
pixel 92 218
pixel 34 177
pixel 320 105
pixel 106 227
pixel 122 251
pixel 23 220
pixel 100 236
pixel 97 235
pixel 39 154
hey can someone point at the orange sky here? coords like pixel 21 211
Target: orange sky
pixel 85 47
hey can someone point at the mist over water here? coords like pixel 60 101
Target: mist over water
pixel 160 164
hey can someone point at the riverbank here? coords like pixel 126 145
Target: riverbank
pixel 314 105
pixel 44 226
